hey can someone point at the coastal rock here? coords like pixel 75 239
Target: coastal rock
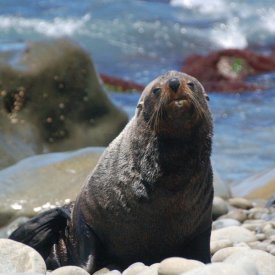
pixel 19 258
pixel 224 253
pixel 264 262
pixel 228 69
pixel 218 269
pixel 176 265
pixel 261 185
pixel 235 234
pixel 220 207
pixel 69 270
pixel 52 100
pixel 44 181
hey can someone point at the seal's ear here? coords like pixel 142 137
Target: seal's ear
pixel 139 107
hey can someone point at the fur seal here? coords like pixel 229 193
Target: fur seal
pixel 150 195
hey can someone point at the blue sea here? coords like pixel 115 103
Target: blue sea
pixel 138 40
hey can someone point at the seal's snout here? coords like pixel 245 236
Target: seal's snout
pixel 174 84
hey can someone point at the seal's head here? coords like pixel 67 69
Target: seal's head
pixel 173 103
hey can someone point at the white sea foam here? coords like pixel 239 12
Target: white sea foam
pixel 229 35
pixel 204 6
pixel 55 27
pixel 268 20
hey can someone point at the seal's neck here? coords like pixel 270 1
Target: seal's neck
pixel 161 159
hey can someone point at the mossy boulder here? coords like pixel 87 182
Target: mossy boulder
pixel 51 90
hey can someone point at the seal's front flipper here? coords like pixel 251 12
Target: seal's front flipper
pixel 43 231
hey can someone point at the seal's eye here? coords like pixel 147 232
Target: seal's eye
pixel 156 91
pixel 191 85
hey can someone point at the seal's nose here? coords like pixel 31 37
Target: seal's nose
pixel 174 84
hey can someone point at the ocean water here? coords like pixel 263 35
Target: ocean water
pixel 138 40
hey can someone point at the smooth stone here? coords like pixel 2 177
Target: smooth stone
pixel 176 265
pixel 261 185
pixel 224 253
pixel 241 244
pixel 234 234
pixel 236 214
pixel 257 227
pixel 268 230
pixel 247 265
pixel 220 207
pixel 217 269
pixel 102 271
pixel 220 244
pixel 53 100
pixel 264 261
pixel 272 251
pixel 258 213
pixel 17 257
pixel 260 236
pixel 113 272
pixel 24 197
pixel 135 269
pixel 69 270
pixel 240 203
pixel 221 223
pixel 151 270
pixel 258 245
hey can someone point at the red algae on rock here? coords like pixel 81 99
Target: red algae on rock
pixel 226 70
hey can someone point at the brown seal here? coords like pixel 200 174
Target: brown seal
pixel 150 195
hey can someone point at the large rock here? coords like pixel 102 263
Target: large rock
pixel 44 181
pixel 51 99
pixel 261 185
pixel 16 257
